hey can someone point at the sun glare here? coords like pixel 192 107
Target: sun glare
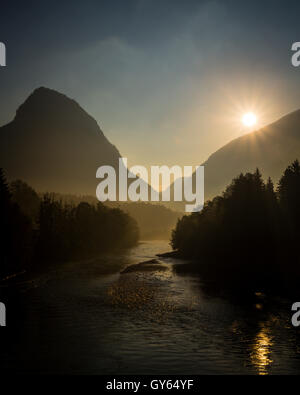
pixel 249 119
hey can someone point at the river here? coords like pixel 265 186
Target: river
pixel 75 319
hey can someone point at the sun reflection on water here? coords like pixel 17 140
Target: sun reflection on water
pixel 261 351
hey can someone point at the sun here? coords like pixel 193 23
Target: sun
pixel 249 119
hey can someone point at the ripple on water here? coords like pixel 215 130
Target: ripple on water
pixel 77 320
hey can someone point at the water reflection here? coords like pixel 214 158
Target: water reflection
pixel 261 350
pixel 77 320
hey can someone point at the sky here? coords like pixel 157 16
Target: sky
pixel 168 81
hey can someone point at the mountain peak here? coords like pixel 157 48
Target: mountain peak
pixel 46 103
pixel 53 144
pixel 42 90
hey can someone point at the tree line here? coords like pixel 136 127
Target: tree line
pixel 155 221
pixel 249 234
pixel 36 230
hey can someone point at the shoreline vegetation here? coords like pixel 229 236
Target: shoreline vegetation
pixel 247 238
pixel 38 231
pixel 155 221
pixel 244 240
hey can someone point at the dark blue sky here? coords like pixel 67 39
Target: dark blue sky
pixel 167 80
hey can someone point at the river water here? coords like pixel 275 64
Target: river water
pixel 76 319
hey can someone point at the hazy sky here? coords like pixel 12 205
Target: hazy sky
pixel 167 80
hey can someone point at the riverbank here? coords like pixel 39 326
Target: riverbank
pixel 240 275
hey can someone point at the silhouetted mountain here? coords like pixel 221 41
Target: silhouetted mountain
pixel 271 149
pixel 53 144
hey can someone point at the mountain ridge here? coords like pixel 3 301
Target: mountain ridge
pixel 54 144
pixel 271 149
